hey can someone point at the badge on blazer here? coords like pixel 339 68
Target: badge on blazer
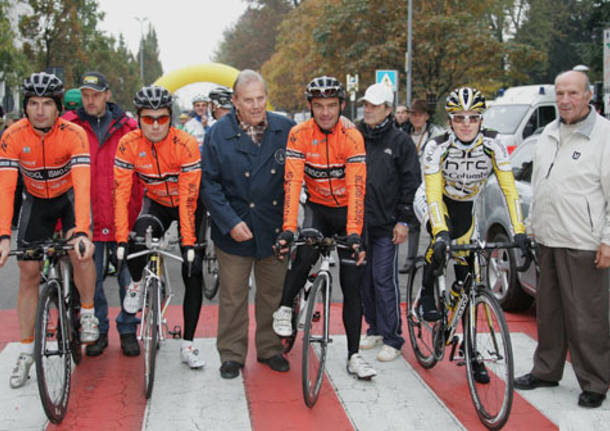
pixel 280 156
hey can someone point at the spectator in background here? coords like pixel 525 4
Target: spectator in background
pixel 243 188
pixel 570 220
pixel 105 124
pixel 198 125
pixel 182 119
pixel 392 177
pixel 73 99
pixel 401 117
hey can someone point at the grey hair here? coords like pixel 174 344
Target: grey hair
pixel 587 80
pixel 245 77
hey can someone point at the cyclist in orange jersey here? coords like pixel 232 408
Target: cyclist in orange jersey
pixel 53 157
pixel 167 160
pixel 330 158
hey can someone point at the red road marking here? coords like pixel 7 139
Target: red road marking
pixel 107 392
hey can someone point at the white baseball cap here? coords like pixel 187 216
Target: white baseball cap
pixel 378 94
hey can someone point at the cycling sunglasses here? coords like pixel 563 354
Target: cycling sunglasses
pixel 460 118
pixel 327 92
pixel 150 120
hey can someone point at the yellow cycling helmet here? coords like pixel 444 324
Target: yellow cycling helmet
pixel 465 99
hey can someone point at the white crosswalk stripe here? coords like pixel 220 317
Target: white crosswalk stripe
pixel 185 399
pixel 20 409
pixel 396 399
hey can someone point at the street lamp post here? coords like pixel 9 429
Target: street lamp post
pixel 141 20
pixel 409 64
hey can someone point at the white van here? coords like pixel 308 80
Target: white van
pixel 520 111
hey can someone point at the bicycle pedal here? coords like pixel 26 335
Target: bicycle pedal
pixel 315 317
pixel 176 333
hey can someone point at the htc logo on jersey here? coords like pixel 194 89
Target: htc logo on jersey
pixel 467 164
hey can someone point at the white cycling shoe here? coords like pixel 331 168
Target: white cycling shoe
pixel 21 372
pixel 190 356
pixel 358 367
pixel 282 321
pixel 134 297
pixel 89 330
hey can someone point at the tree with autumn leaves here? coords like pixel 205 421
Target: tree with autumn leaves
pixel 485 43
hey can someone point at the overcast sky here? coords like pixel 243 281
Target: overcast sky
pixel 188 30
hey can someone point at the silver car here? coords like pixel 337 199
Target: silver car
pixel 515 290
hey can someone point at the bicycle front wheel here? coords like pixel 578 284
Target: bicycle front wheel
pixel 315 339
pixel 52 353
pixel 422 334
pixel 211 283
pixel 150 320
pixel 487 343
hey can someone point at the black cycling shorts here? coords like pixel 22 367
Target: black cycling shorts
pixel 38 218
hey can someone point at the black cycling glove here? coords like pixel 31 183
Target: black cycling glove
pixel 439 248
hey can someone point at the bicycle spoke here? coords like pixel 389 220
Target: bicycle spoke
pixel 314 342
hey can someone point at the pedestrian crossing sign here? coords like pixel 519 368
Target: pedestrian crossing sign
pixel 387 77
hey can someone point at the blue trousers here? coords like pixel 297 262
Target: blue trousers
pixel 379 290
pixel 126 323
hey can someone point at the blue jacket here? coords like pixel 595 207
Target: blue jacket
pixel 242 181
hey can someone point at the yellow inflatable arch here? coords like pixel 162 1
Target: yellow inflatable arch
pixel 212 72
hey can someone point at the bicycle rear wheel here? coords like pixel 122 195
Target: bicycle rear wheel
pixel 150 320
pixel 52 353
pixel 315 339
pixel 423 335
pixel 488 343
pixel 288 342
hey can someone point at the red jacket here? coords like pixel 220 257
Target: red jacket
pixel 102 171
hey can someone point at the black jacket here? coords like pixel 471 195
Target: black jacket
pixel 392 176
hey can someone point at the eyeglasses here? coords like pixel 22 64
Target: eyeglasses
pixel 150 120
pixel 460 118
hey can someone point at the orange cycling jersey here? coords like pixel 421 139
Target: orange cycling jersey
pixel 170 170
pixel 50 166
pixel 334 168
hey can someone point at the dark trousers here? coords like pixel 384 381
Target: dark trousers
pixel 572 314
pixel 126 323
pixel 329 221
pixel 379 290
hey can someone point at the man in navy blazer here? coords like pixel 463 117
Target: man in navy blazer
pixel 243 190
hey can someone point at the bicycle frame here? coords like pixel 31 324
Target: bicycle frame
pixel 156 268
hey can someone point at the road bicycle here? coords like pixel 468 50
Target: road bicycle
pixel 311 312
pixel 485 337
pixel 156 299
pixel 57 338
pixel 211 283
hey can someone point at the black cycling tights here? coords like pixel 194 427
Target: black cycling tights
pixel 160 218
pixel 329 221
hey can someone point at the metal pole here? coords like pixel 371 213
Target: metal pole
pixel 409 63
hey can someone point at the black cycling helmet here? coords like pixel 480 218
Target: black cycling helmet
pixel 221 97
pixel 42 84
pixel 153 97
pixel 325 87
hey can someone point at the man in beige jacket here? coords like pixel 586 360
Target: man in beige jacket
pixel 570 218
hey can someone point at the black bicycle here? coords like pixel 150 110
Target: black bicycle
pixel 57 338
pixel 311 312
pixel 485 338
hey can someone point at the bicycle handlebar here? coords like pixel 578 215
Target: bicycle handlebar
pixel 482 245
pixel 49 248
